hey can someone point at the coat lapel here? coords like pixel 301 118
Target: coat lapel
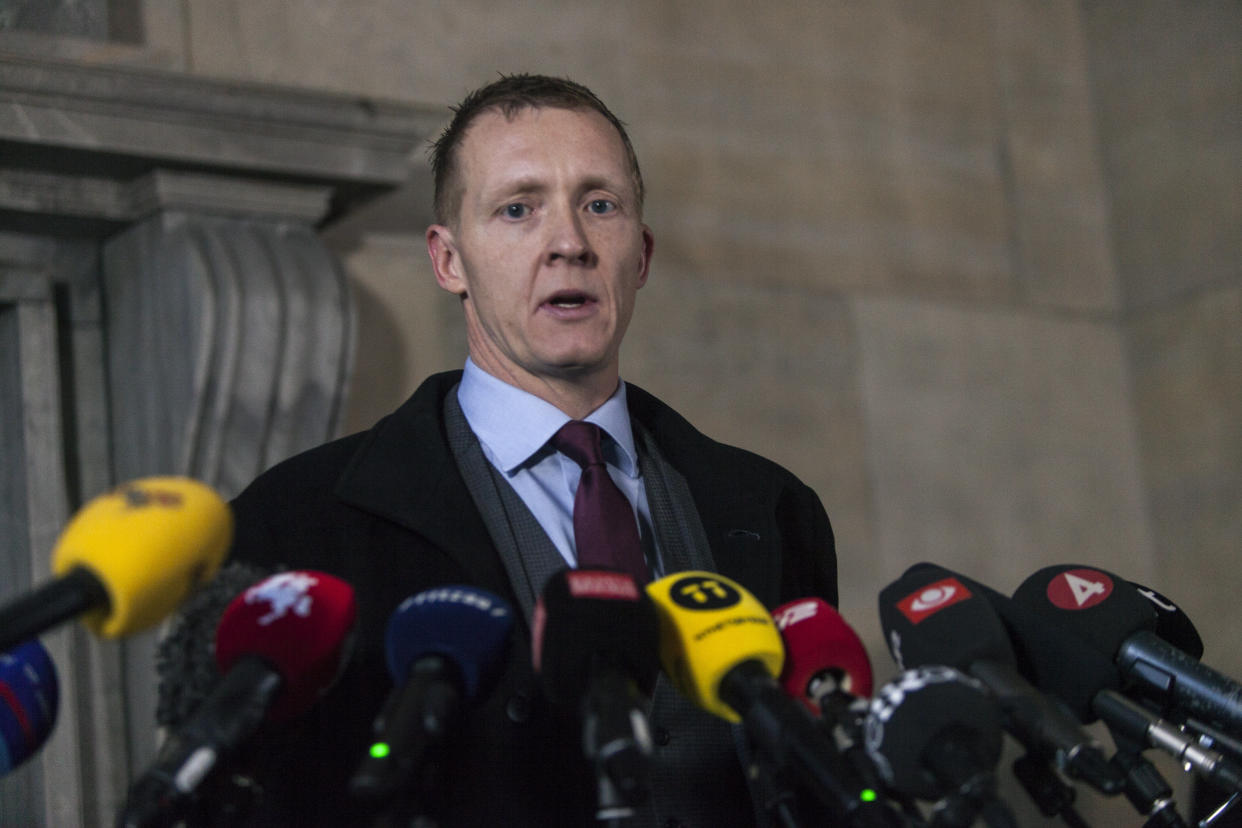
pixel 407 477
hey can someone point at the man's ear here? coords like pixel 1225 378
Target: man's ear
pixel 445 259
pixel 644 265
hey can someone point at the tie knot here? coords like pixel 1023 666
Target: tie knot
pixel 581 442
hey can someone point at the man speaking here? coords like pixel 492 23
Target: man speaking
pixel 535 458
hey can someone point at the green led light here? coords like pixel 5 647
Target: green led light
pixel 867 795
pixel 379 750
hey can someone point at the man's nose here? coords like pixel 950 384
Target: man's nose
pixel 567 238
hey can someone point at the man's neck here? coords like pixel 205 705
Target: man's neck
pixel 577 396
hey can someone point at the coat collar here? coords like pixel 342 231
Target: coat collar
pixel 406 473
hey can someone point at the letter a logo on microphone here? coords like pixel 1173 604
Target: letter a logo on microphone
pixel 932 598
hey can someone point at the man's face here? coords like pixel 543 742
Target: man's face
pixel 548 250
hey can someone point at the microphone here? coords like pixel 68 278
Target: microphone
pixel 827 669
pixel 824 658
pixel 1119 622
pixel 1072 670
pixel 933 616
pixel 1133 722
pixel 721 648
pixel 185 660
pixel 444 646
pixel 280 644
pixel 126 560
pixel 935 734
pixel 596 639
pixel 29 701
pixel 1172 624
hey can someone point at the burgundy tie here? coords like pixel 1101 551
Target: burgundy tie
pixel 605 532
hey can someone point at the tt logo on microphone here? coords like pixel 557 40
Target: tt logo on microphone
pixel 698 592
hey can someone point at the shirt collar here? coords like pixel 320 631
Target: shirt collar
pixel 515 425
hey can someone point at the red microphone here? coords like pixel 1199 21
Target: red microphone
pixel 824 657
pixel 300 625
pixel 280 645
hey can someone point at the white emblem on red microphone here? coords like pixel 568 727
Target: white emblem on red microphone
pixel 285 592
pixel 1077 589
pixel 932 598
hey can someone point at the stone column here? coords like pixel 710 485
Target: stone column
pixel 166 307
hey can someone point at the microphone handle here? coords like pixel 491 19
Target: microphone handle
pixel 57 601
pixel 616 738
pixel 415 720
pixel 1131 721
pixel 234 710
pixel 1044 728
pixel 784 733
pixel 1198 689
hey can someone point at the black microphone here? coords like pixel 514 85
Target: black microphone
pixel 596 641
pixel 1074 672
pixel 444 647
pixel 1172 623
pixel 1118 621
pixel 931 615
pixel 935 734
pixel 1080 669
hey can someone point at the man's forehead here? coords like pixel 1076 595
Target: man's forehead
pixel 494 134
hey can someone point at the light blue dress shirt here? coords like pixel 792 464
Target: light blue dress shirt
pixel 514 426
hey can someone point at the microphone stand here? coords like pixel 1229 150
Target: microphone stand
pixel 773 793
pixel 1052 796
pixel 1148 791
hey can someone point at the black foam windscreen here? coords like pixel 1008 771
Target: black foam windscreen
pixel 1051 658
pixel 1172 624
pixel 931 730
pixel 933 616
pixel 584 616
pixel 1098 607
pixel 185 662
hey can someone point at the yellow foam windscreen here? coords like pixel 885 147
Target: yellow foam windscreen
pixel 150 542
pixel 708 625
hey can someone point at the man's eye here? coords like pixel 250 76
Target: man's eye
pixel 516 211
pixel 601 205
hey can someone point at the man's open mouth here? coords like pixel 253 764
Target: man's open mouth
pixel 569 300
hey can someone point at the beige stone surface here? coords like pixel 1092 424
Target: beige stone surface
pixel 1187 366
pixel 1166 81
pixel 999 441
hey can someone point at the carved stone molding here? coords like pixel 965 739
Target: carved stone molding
pixel 120 122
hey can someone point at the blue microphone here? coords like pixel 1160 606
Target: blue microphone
pixel 444 648
pixel 29 700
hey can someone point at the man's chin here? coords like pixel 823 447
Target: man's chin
pixel 576 368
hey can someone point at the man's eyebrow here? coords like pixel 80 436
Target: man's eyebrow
pixel 528 185
pixel 515 186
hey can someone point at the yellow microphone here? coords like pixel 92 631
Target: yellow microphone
pixel 710 625
pixel 722 649
pixel 127 559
